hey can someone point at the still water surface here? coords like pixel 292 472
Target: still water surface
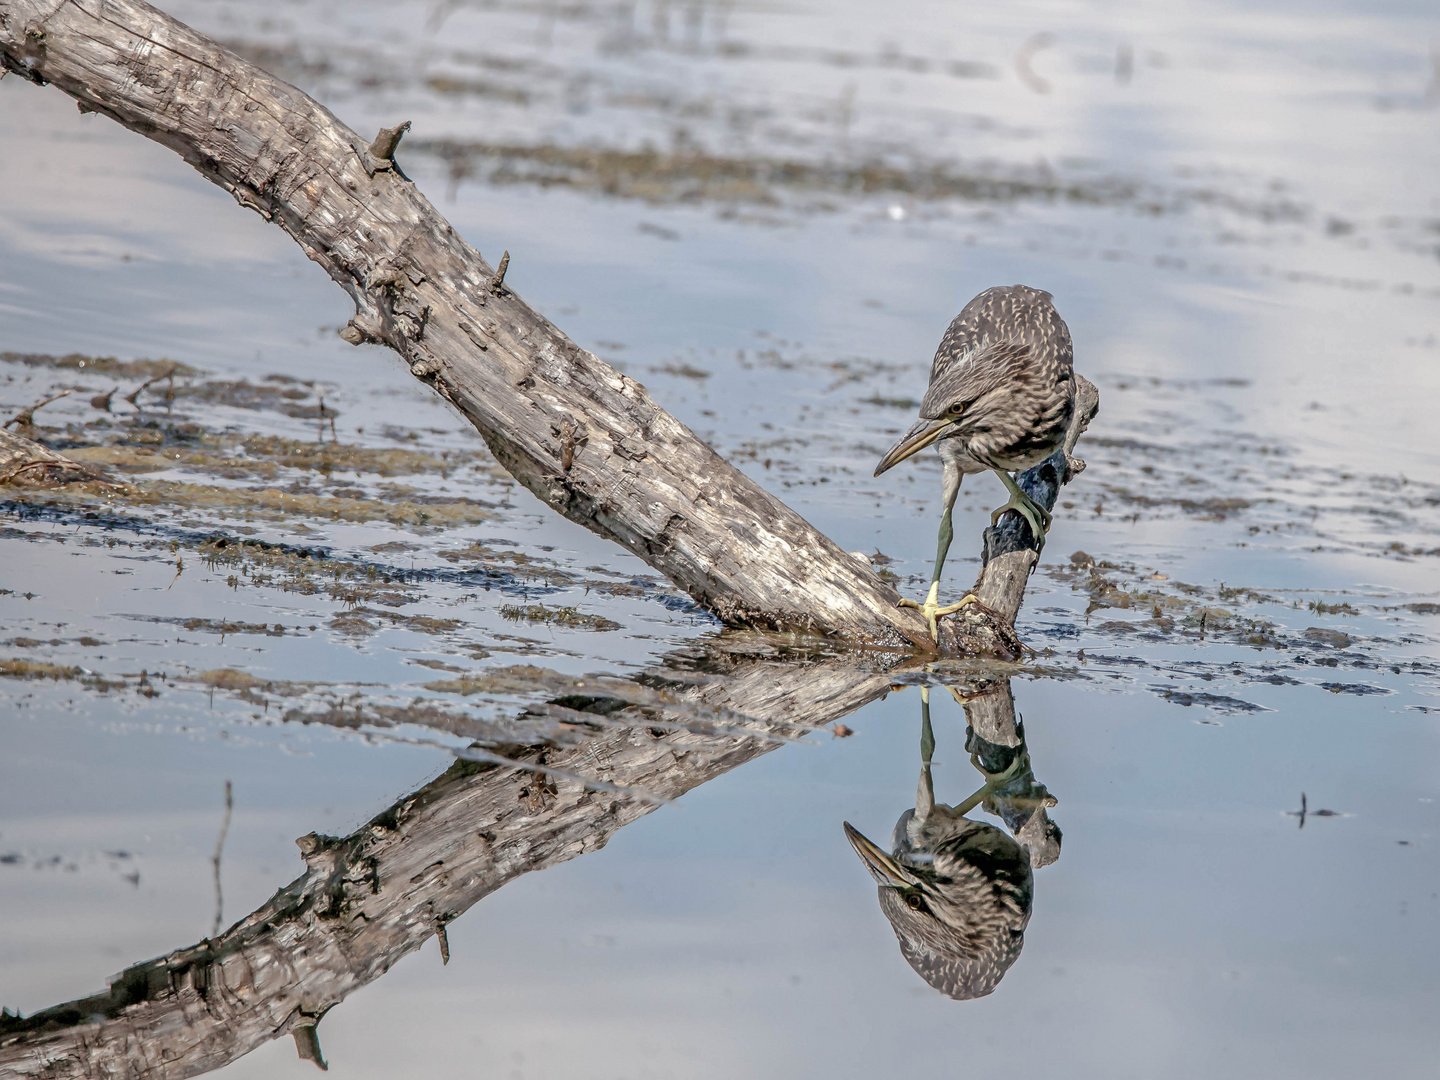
pixel 767 215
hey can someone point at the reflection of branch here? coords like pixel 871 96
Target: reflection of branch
pixel 219 848
pixel 134 398
pixel 997 746
pixel 372 897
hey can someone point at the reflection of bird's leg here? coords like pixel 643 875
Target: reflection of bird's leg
pixel 925 791
pixel 931 608
pixel 1035 515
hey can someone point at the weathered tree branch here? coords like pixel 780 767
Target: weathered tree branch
pixel 372 897
pixel 25 463
pixel 585 439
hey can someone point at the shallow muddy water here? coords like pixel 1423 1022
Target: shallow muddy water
pixel 319 588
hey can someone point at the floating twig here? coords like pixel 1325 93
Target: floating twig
pixel 134 399
pixel 26 417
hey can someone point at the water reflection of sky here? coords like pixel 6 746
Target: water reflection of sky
pixel 1190 927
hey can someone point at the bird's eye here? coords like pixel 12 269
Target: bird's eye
pixel 913 899
pixel 957 408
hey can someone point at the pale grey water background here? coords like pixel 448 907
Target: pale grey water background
pixel 1260 308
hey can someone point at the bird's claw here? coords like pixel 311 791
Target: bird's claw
pixel 1035 515
pixel 933 612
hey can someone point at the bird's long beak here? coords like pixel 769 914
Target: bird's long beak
pixel 917 438
pixel 882 867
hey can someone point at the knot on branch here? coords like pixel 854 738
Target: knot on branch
pixel 361 330
pixel 382 150
pixel 379 155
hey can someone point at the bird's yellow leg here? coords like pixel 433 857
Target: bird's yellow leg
pixel 1035 515
pixel 932 610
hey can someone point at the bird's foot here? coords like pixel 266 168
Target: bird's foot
pixel 932 610
pixel 1035 515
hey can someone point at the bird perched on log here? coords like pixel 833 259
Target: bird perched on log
pixel 1001 394
pixel 957 892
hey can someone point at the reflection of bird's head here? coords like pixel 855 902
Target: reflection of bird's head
pixel 957 894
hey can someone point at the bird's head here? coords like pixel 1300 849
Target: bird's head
pixel 969 390
pixel 959 396
pixel 960 926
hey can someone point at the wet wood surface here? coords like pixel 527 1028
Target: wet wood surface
pixel 585 439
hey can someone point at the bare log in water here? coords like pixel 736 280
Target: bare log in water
pixel 375 896
pixel 585 439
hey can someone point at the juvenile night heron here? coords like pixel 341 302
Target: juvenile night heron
pixel 956 892
pixel 1002 389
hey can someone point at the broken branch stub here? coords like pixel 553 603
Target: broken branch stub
pixel 641 478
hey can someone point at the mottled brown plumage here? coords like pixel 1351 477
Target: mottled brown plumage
pixel 1005 372
pixel 1001 394
pixel 958 894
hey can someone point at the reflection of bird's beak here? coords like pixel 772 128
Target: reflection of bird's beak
pixel 917 438
pixel 882 867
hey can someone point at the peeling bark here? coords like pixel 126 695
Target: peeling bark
pixel 585 439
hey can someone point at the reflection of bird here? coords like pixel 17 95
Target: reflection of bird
pixel 1002 388
pixel 957 892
